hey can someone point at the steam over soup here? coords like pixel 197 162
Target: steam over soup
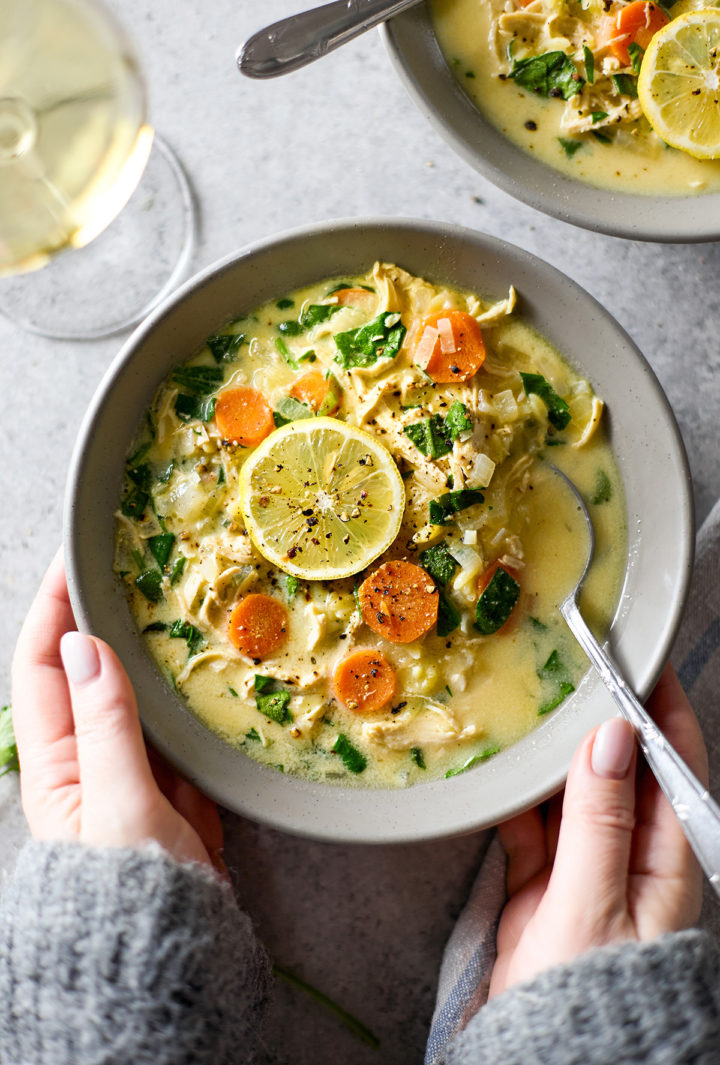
pixel 560 78
pixel 342 540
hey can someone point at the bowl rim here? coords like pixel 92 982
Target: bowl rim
pixel 327 812
pixel 418 60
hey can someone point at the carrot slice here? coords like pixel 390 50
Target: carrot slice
pixel 258 626
pixel 356 297
pixel 399 601
pixel 635 24
pixel 243 416
pixel 458 351
pixel 364 681
pixel 313 388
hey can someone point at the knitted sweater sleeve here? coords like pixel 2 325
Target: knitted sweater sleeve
pixel 655 1003
pixel 119 956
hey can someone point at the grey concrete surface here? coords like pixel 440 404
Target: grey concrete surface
pixel 367 925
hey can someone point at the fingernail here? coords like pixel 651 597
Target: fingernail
pixel 80 658
pixel 613 749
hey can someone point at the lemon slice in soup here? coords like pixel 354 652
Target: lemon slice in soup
pixel 679 83
pixel 321 499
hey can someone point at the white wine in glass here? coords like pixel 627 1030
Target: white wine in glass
pixel 74 143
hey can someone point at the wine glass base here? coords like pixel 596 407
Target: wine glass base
pixel 113 283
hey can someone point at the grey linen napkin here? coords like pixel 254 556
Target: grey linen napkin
pixel 470 952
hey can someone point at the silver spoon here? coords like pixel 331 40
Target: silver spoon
pixel 301 39
pixel 696 810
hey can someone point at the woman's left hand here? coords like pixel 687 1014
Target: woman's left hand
pixel 85 773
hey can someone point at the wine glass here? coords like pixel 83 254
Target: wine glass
pixel 79 163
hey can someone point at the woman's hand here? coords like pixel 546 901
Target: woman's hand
pixel 614 865
pixel 85 773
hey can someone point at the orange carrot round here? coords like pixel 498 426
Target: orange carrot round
pixel 364 681
pixel 637 23
pixel 243 416
pixel 464 349
pixel 258 626
pixel 312 388
pixel 399 601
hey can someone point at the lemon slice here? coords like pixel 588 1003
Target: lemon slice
pixel 681 7
pixel 321 499
pixel 679 83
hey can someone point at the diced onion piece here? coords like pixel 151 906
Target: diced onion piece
pixel 447 337
pixel 467 558
pixel 506 405
pixel 482 471
pixel 470 536
pixel 426 346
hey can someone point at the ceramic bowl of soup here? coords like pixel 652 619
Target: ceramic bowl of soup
pixel 564 135
pixel 312 507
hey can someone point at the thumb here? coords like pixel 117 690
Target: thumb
pixel 590 871
pixel 111 753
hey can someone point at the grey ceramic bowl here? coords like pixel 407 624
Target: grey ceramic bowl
pixel 417 57
pixel 652 464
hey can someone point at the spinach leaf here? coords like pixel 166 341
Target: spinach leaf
pixel 565 688
pixel 284 304
pixel 198 380
pixel 636 54
pixel 496 603
pixel 264 684
pixel 317 313
pixel 457 420
pixel 364 346
pixel 271 700
pixel 604 138
pixel 282 347
pixel 350 756
pixel 438 562
pixel 429 436
pixel 558 410
pixel 555 672
pixel 160 547
pixel 155 626
pixel 183 630
pixel 165 474
pixel 290 329
pixel 451 503
pixel 225 347
pixel 139 455
pixel 189 407
pixel 178 568
pixel 134 503
pixel 290 409
pixel 418 757
pixel 9 762
pixel 625 84
pixel 551 74
pixel 142 476
pixel 589 64
pixel 473 761
pixel 569 146
pixel 149 582
pixel 603 488
pixel 449 616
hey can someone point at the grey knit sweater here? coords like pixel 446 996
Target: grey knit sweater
pixel 122 957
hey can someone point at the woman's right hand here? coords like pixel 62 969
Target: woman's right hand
pixel 85 773
pixel 615 865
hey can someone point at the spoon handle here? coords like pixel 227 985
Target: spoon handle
pixel 300 39
pixel 696 810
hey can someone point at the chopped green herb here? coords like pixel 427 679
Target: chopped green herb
pixel 589 64
pixel 355 1026
pixel 285 353
pixel 418 758
pixel 155 626
pixel 569 146
pixel 603 488
pixel 178 567
pixel 275 706
pixel 449 616
pixel 625 84
pixel 165 474
pixel 604 138
pixel 149 582
pixel 565 689
pixel 496 603
pixel 350 756
pixel 364 346
pixel 473 761
pixel 438 562
pixel 183 630
pixel 190 407
pixel 636 54
pixel 558 410
pixel 551 74
pixel 198 380
pixel 233 692
pixel 284 304
pixel 290 409
pixel 308 356
pixel 225 347
pixel 160 548
pixel 291 585
pixel 317 313
pixel 598 116
pixel 538 625
pixel 140 454
pixel 9 762
pixel 451 503
pixel 555 672
pixel 469 74
pixel 134 503
pixel 448 690
pixel 290 329
pixel 253 734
